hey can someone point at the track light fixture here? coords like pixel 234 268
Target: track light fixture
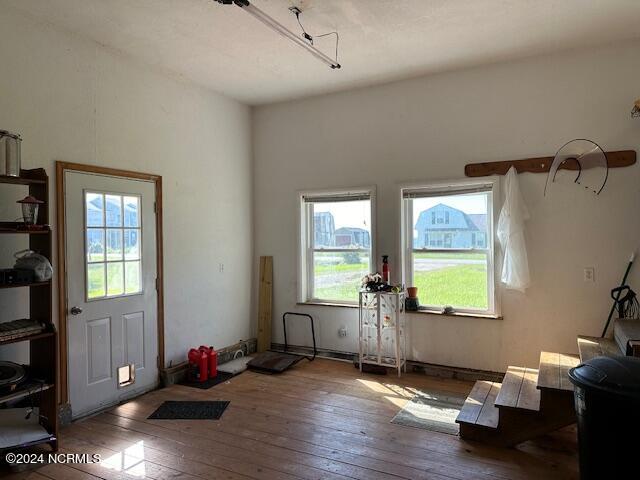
pixel 284 31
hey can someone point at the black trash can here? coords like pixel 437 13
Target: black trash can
pixel 607 399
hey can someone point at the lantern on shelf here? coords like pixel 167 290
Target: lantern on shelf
pixel 30 206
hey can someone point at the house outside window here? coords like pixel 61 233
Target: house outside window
pixel 336 245
pixel 451 259
pixel 324 228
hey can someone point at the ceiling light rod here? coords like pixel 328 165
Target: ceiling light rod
pixel 282 30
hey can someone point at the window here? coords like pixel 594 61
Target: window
pixel 448 238
pixel 112 238
pixel 336 245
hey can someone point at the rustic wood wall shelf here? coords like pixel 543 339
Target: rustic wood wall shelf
pixel 43 345
pixel 618 159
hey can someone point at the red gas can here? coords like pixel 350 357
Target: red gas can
pixel 198 365
pixel 212 356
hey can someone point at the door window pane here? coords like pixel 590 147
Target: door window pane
pixel 132 244
pixel 95 244
pixel 96 286
pixel 132 277
pixel 115 279
pixel 113 210
pixel 94 206
pixel 131 207
pixel 114 244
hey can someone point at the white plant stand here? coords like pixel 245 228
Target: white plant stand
pixel 382 330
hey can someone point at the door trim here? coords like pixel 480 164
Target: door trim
pixel 61 168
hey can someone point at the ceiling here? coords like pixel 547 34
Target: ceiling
pixel 225 49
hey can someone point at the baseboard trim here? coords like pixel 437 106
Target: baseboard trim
pixel 431 369
pixel 324 353
pixel 457 373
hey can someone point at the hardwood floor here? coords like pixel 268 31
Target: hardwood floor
pixel 320 420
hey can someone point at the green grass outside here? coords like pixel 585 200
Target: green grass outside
pixel 342 268
pixel 343 292
pixel 461 286
pixel 355 267
pixel 114 280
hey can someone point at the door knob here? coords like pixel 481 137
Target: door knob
pixel 75 311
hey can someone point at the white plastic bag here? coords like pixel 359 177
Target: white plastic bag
pixel 515 267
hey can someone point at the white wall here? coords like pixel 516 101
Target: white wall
pixel 429 128
pixel 76 101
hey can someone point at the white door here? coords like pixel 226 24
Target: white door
pixel 111 289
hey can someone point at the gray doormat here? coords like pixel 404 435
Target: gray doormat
pixel 433 411
pixel 191 410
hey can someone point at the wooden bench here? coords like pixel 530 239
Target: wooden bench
pixel 519 389
pixel 529 402
pixel 591 347
pixel 554 371
pixel 479 409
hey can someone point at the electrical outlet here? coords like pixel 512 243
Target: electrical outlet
pixel 221 268
pixel 589 274
pixel 342 332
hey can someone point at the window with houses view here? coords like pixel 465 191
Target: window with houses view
pixel 449 247
pixel 113 237
pixel 336 245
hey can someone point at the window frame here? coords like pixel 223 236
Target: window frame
pixel 407 222
pixel 105 262
pixel 305 224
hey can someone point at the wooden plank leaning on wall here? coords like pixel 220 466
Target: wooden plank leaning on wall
pixel 265 303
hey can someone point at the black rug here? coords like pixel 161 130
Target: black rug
pixel 199 410
pixel 219 378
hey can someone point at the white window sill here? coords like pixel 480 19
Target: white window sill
pixel 329 304
pixel 419 312
pixel 485 316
